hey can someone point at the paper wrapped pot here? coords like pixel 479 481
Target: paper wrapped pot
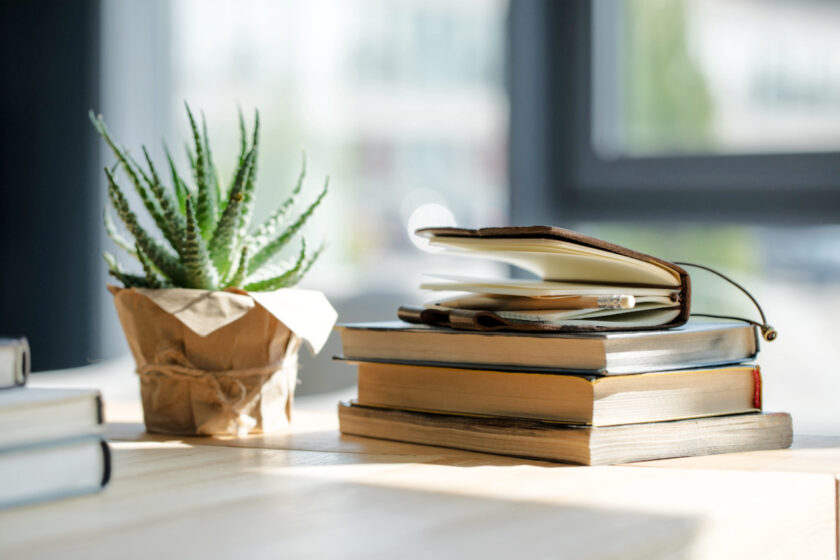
pixel 219 363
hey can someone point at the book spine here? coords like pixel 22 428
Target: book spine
pixel 14 362
pixel 106 462
pixel 756 372
pixel 100 410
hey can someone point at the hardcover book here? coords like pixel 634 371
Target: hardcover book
pixel 696 344
pixel 585 284
pixel 14 362
pixel 583 445
pixel 576 399
pixel 53 469
pixel 30 415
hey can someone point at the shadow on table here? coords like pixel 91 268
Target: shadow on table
pixel 328 441
pixel 202 501
pixel 386 500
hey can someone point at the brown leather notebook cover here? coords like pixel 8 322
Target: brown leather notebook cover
pixel 488 320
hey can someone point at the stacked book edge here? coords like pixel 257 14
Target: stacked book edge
pixel 584 445
pixel 595 398
pixel 51 440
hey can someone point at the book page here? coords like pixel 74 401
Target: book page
pixel 493 302
pixel 605 318
pixel 538 288
pixel 557 260
pixel 554 316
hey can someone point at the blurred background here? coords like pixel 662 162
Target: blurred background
pixel 695 130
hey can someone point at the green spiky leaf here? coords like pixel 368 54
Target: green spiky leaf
pixel 243 148
pixel 206 209
pixel 241 270
pixel 181 189
pixel 222 245
pixel 151 276
pixel 200 272
pixel 128 280
pixel 250 183
pixel 243 134
pixel 206 225
pixel 174 221
pixel 167 263
pixel 269 227
pixel 116 236
pixel 310 260
pixel 212 173
pixel 190 157
pixel 271 248
pixel 135 174
pixel 282 280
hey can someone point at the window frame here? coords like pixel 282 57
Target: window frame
pixel 557 177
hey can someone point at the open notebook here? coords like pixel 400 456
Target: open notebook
pixel 585 284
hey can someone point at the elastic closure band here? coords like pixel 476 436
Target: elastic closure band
pixel 768 333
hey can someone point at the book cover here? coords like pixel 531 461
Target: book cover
pixel 698 343
pixel 29 415
pixel 51 470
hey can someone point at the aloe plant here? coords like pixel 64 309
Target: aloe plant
pixel 207 241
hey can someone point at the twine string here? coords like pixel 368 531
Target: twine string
pixel 173 363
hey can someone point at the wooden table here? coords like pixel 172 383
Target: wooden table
pixel 312 493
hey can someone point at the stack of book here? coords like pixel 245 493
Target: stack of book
pixel 600 368
pixel 586 398
pixel 51 440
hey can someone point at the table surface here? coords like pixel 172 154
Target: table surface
pixel 313 493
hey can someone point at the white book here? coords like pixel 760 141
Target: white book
pixel 52 470
pixel 31 415
pixel 14 362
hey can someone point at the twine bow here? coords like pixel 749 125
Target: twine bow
pixel 174 364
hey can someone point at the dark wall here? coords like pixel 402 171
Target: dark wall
pixel 49 184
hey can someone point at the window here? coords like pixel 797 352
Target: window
pixel 674 110
pixel 696 130
pixel 715 77
pixel 402 103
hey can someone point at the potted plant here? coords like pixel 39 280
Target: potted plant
pixel 211 321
